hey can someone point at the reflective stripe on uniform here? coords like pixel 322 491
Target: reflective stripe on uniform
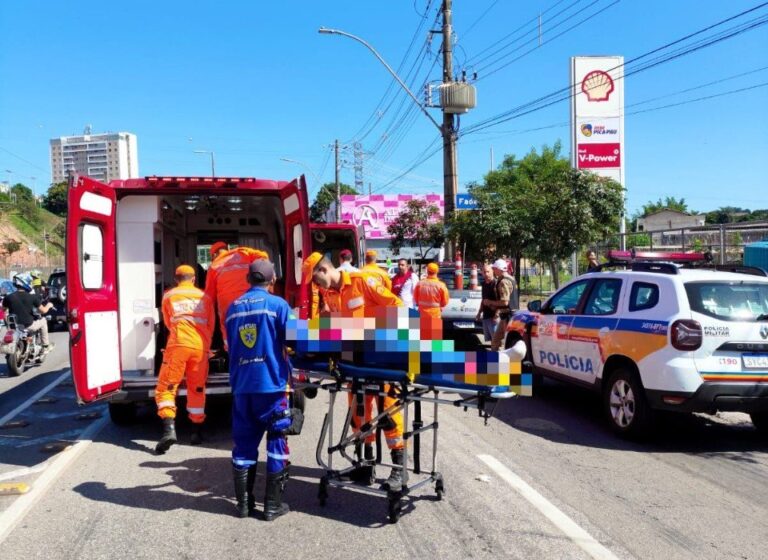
pixel 183 292
pixel 166 404
pixel 195 410
pixel 429 304
pixel 355 302
pixel 253 312
pixel 198 320
pixel 393 441
pixel 278 456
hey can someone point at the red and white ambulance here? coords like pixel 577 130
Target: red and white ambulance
pixel 124 242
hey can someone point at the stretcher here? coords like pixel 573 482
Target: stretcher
pixel 338 450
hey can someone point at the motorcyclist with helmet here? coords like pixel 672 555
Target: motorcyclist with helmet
pixel 38 284
pixel 25 305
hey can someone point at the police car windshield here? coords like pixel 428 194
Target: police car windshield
pixel 740 301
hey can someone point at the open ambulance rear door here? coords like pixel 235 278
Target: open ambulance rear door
pixel 92 303
pixel 296 208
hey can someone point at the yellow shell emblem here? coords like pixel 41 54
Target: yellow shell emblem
pixel 248 335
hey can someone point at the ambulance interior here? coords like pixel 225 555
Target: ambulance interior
pixel 157 233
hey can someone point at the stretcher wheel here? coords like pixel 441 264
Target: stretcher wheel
pixel 395 507
pixel 439 488
pixel 322 493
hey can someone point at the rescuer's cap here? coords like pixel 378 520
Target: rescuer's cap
pixel 432 269
pixel 185 270
pixel 345 254
pixel 501 264
pixel 216 247
pixel 371 253
pixel 308 267
pixel 261 271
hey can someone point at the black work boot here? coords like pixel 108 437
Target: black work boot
pixel 395 481
pixel 273 498
pixel 240 476
pixel 197 435
pixel 365 474
pixel 250 482
pixel 168 438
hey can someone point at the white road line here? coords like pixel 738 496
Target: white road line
pixel 18 509
pixel 579 536
pixel 34 397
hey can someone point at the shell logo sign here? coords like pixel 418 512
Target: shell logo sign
pixel 597 86
pixel 597 115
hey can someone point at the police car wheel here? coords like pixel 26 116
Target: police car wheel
pixel 625 404
pixel 760 421
pixel 63 293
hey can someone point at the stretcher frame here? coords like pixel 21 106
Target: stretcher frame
pixel 483 399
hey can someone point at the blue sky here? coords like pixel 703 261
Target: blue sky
pixel 255 82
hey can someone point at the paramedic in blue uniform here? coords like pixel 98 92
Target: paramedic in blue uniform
pixel 259 374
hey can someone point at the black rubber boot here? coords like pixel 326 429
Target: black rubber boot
pixel 168 438
pixel 197 435
pixel 273 498
pixel 240 476
pixel 395 481
pixel 365 474
pixel 251 497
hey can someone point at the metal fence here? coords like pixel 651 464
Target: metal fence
pixel 724 241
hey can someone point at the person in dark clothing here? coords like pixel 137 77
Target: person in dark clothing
pixel 23 305
pixel 592 263
pixel 488 313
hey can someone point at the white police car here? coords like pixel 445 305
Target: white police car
pixel 656 336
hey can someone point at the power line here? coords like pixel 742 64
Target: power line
pixel 567 92
pixel 485 13
pixel 10 153
pixel 549 40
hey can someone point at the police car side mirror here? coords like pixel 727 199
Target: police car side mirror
pixel 534 305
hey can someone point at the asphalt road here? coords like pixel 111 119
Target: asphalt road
pixel 544 479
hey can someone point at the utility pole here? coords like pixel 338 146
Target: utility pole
pixel 338 184
pixel 358 154
pixel 450 178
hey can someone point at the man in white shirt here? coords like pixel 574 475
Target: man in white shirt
pixel 403 283
pixel 345 256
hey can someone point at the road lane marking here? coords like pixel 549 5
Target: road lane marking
pixel 34 397
pixel 18 509
pixel 579 536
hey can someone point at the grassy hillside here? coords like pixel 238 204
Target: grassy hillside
pixel 33 230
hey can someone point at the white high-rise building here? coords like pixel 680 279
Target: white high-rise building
pixel 103 157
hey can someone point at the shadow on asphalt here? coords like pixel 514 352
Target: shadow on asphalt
pixel 205 485
pixel 566 414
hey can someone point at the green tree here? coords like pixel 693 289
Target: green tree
pixel 55 200
pixel 418 225
pixel 541 208
pixel 25 202
pixel 668 203
pixel 10 246
pixel 325 197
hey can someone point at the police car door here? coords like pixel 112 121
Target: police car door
pixel 550 349
pixel 592 328
pixel 92 303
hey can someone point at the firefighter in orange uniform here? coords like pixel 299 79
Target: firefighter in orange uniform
pixel 353 293
pixel 372 268
pixel 227 276
pixel 431 294
pixel 188 314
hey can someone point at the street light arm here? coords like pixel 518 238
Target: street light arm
pixel 326 31
pixel 304 165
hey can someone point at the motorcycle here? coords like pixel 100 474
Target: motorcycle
pixel 21 347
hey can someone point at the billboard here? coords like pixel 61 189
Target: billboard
pixel 376 211
pixel 597 115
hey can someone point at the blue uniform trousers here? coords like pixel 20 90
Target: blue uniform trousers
pixel 252 415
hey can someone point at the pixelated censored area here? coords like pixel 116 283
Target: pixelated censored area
pixel 397 338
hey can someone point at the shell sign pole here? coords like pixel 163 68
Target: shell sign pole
pixel 597 116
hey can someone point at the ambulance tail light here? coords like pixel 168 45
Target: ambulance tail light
pixel 686 334
pixel 8 338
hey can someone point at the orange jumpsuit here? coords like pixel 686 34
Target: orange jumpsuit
pixel 430 296
pixel 377 271
pixel 227 279
pixel 188 314
pixel 358 291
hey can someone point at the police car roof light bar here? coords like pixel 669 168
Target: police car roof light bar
pixel 656 256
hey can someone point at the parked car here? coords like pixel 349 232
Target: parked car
pixel 57 295
pixel 6 287
pixel 460 313
pixel 655 337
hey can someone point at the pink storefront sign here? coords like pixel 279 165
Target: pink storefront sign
pixel 375 212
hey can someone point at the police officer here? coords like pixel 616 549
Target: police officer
pixel 259 374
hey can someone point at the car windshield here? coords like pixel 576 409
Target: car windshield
pixel 447 276
pixel 729 301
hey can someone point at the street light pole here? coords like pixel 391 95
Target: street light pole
pixel 304 165
pixel 213 164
